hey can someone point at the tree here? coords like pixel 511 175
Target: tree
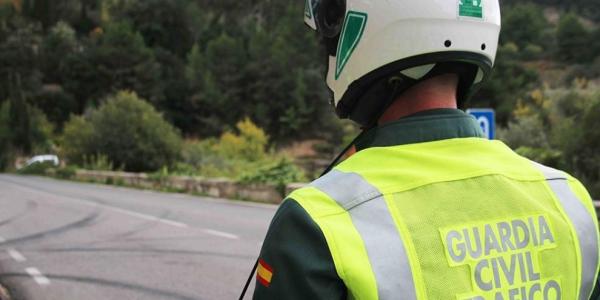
pixel 19 62
pixel 588 162
pixel 595 39
pixel 573 45
pixel 5 137
pixel 19 120
pixel 509 82
pixel 24 129
pixel 120 60
pixel 128 131
pixel 523 24
pixel 175 87
pixel 48 12
pixel 76 140
pixel 217 80
pixel 161 23
pixel 60 42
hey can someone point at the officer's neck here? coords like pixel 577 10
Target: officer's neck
pixel 437 92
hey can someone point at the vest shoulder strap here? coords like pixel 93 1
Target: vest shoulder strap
pixel 582 222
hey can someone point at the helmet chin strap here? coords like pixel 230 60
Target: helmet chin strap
pixel 396 83
pixel 393 86
pixel 389 89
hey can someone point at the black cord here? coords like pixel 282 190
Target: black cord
pixel 329 168
pixel 346 149
pixel 249 280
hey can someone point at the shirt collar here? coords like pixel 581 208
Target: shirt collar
pixel 427 126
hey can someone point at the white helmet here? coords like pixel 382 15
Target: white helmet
pixel 369 42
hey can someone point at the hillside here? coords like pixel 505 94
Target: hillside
pixel 207 65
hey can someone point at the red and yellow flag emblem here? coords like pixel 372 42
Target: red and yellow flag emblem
pixel 264 273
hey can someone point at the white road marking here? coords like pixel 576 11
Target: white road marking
pixel 221 234
pixel 16 255
pixel 95 204
pixel 2 240
pixel 146 217
pixel 38 276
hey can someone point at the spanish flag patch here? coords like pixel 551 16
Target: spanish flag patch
pixel 264 273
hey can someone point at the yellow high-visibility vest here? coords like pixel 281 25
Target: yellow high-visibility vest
pixel 455 219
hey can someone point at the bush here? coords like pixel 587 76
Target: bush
pixel 98 162
pixel 56 105
pixel 542 155
pixel 522 24
pixel 34 134
pixel 39 168
pixel 573 39
pixel 228 156
pixel 279 174
pixel 560 128
pixel 527 131
pixel 249 144
pixel 128 131
pixel 66 172
pixel 76 140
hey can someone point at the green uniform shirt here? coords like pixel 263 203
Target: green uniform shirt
pixel 295 250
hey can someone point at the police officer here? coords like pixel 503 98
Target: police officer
pixel 426 208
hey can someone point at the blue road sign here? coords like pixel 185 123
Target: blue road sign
pixel 486 117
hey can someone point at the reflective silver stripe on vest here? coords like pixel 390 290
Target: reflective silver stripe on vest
pixel 584 226
pixel 374 223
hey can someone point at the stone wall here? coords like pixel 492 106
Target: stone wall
pixel 214 187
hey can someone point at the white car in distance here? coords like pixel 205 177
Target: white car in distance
pixel 43 158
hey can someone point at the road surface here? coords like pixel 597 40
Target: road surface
pixel 65 240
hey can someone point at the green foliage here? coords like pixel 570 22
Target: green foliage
pixel 123 62
pixel 228 156
pixel 587 8
pixel 20 76
pixel 559 128
pixel 234 153
pixel 128 131
pixel 523 24
pixel 76 141
pixel 67 172
pixel 573 39
pixel 595 46
pixel 23 129
pixel 582 153
pixel 6 149
pixel 60 42
pixel 157 20
pixel 56 104
pixel 98 162
pixel 280 173
pixel 527 131
pixel 38 168
pixel 41 132
pixel 509 82
pixel 161 176
pixel 206 65
pixel 49 12
pixel 249 144
pixel 542 155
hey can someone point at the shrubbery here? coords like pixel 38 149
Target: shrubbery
pixel 125 129
pixel 241 155
pixel 279 173
pixel 34 134
pixel 560 128
pixel 38 168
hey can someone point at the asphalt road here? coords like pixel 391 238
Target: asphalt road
pixel 65 240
